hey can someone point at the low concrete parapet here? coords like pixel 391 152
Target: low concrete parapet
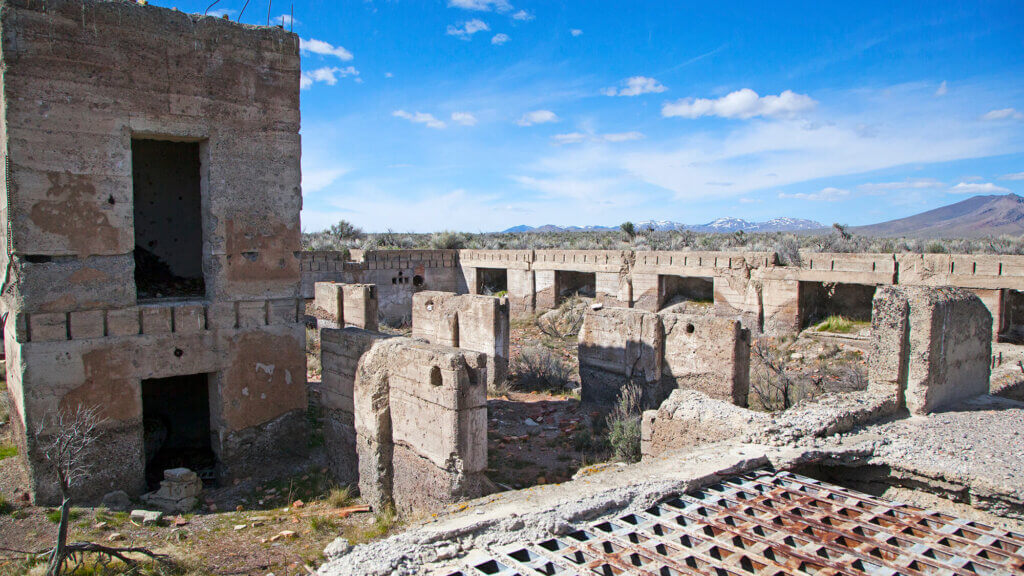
pixel 930 346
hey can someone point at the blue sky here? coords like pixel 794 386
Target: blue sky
pixel 478 115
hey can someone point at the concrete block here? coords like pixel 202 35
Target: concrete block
pixel 618 347
pixel 157 319
pixel 48 327
pixel 283 311
pixel 359 306
pixel 931 347
pixel 222 316
pixel 252 314
pixel 123 322
pixel 189 318
pixel 87 324
pixel 708 354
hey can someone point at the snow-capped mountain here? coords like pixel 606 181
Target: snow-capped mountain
pixel 721 225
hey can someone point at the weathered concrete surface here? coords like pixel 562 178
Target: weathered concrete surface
pixel 688 419
pixel 470 322
pixel 421 425
pixel 82 78
pixel 931 346
pixel 708 354
pixel 340 353
pixel 935 453
pixel 339 305
pixel 619 347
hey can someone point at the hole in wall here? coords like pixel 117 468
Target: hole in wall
pixel 417 280
pixel 176 426
pixel 435 376
pixel 491 281
pixel 167 210
pixel 690 328
pixel 38 259
pixel 673 290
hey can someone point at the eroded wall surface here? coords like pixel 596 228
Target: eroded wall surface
pixel 420 424
pixel 931 347
pixel 82 78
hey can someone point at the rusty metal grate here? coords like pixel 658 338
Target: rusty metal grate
pixel 772 523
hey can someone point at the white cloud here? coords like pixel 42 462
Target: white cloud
pixel 942 89
pixel 464 118
pixel 623 136
pixel 522 15
pixel 285 20
pixel 579 137
pixel 419 118
pixel 571 138
pixel 481 5
pixel 977 188
pixel 1003 114
pixel 908 184
pixel 328 75
pixel 315 180
pixel 636 86
pixel 314 46
pixel 499 39
pixel 743 103
pixel 389 75
pixel 576 32
pixel 826 194
pixel 222 12
pixel 1016 176
pixel 468 29
pixel 537 117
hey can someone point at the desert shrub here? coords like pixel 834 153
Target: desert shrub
pixel 340 496
pixel 344 230
pixel 537 368
pixel 447 240
pixel 835 323
pixel 624 425
pixel 566 320
pixel 313 351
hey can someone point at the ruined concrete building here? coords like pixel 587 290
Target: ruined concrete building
pixel 152 269
pixel 151 227
pixel 753 287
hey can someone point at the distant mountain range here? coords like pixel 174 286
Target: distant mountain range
pixel 725 225
pixel 971 218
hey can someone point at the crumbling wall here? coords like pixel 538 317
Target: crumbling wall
pixel 662 352
pixel 421 425
pixel 618 347
pixel 689 418
pixel 470 322
pixel 341 351
pixel 84 79
pixel 708 354
pixel 339 305
pixel 931 347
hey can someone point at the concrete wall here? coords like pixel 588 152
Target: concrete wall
pixel 661 352
pixel 82 78
pixel 749 286
pixel 339 305
pixel 708 354
pixel 470 322
pixel 340 353
pixel 421 425
pixel 397 274
pixel 619 347
pixel 931 347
